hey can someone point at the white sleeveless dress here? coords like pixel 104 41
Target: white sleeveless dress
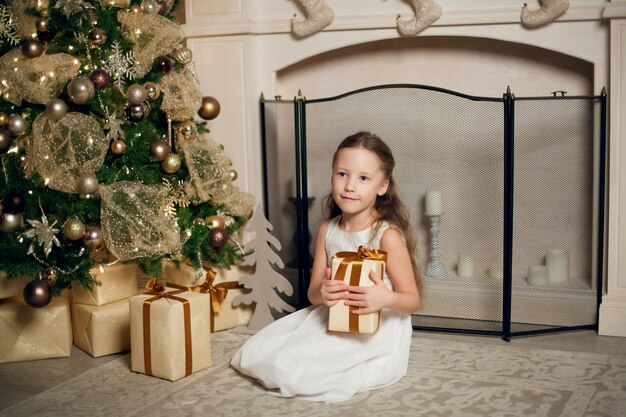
pixel 297 356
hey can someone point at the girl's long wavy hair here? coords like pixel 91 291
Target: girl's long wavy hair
pixel 389 207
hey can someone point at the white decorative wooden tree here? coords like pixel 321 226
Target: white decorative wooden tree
pixel 265 282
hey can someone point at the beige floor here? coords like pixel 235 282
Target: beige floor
pixel 21 381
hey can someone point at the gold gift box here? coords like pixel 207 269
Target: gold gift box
pixel 167 340
pixel 229 317
pixel 34 333
pixel 340 317
pixel 102 330
pixel 11 286
pixel 119 282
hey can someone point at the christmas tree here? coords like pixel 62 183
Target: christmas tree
pixel 101 159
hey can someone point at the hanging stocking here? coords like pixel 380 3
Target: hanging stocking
pixel 426 12
pixel 549 11
pixel 319 15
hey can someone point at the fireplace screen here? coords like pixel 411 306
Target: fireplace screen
pixel 505 196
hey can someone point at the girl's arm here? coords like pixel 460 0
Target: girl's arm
pixel 323 290
pixel 405 298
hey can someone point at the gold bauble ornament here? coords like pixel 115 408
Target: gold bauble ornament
pixel 214 222
pixel 210 108
pixel 11 222
pixel 188 129
pixel 233 175
pixel 51 275
pixel 4 119
pixel 171 164
pixel 136 94
pixel 135 8
pixel 118 146
pixel 182 55
pixel 73 229
pixel 81 90
pixel 153 89
pixel 87 184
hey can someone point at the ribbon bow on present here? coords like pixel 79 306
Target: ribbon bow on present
pixel 217 292
pixel 356 259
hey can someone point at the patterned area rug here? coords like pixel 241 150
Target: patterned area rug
pixel 446 378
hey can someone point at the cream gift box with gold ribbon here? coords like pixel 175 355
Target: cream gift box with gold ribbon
pixel 28 333
pixel 119 282
pixel 354 268
pixel 101 330
pixel 227 317
pixel 169 332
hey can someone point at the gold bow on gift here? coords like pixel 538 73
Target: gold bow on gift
pixel 356 258
pixel 217 292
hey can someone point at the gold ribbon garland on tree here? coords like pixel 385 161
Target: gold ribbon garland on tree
pixel 134 222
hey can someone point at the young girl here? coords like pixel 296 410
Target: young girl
pixel 297 355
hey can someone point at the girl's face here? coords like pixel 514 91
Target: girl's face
pixel 357 180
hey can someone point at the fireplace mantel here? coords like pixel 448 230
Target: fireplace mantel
pixel 240 46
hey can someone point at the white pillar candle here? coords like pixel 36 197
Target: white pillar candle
pixel 538 275
pixel 294 191
pixel 433 203
pixel 465 267
pixel 557 262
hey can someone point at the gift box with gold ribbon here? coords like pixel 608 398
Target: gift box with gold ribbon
pixel 354 268
pixel 119 282
pixel 28 333
pixel 101 330
pixel 169 332
pixel 220 284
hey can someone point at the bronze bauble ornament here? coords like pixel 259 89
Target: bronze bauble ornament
pixel 11 222
pixel 6 140
pixel 164 8
pixel 4 119
pixel 171 164
pixel 153 90
pixel 163 63
pixel 233 175
pixel 118 146
pixel 97 37
pixel 160 149
pixel 51 275
pixel 218 237
pixel 100 78
pixel 14 202
pixel 210 108
pixel 93 238
pixel 87 184
pixel 135 112
pixel 136 94
pixel 81 90
pixel 56 109
pixel 37 293
pixel 214 222
pixel 73 229
pixel 17 124
pixel 187 129
pixel 32 48
pixel 41 24
pixel 135 8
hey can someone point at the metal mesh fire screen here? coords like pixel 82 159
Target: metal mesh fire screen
pixel 516 244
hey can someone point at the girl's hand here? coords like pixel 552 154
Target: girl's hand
pixel 333 290
pixel 369 299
